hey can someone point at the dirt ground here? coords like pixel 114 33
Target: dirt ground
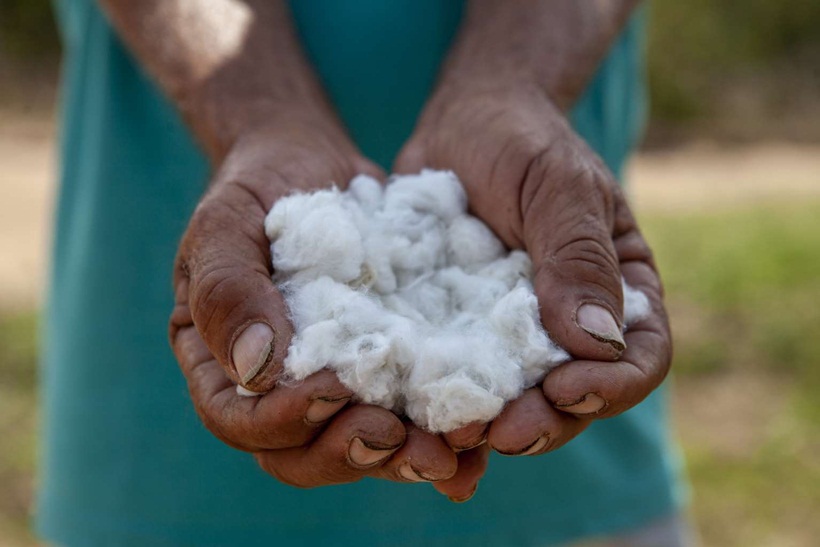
pixel 694 177
pixel 27 188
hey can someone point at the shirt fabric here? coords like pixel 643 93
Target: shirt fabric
pixel 126 461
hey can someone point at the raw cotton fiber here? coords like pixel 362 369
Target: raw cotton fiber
pixel 415 304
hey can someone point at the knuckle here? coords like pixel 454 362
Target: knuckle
pixel 585 262
pixel 210 288
pixel 525 152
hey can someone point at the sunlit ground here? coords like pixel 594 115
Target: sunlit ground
pixel 743 284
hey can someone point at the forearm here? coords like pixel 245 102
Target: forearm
pixel 228 65
pixel 555 45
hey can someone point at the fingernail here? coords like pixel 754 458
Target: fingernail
pixel 362 455
pixel 323 408
pixel 598 322
pixel 537 446
pixel 459 449
pixel 468 497
pixel 406 471
pixel 479 437
pixel 245 392
pixel 590 404
pixel 251 351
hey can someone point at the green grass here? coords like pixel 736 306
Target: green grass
pixel 743 289
pixel 18 409
pixel 744 294
pixel 750 280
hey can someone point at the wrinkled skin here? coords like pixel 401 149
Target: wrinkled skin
pixel 222 280
pixel 542 189
pixel 539 187
pixel 262 116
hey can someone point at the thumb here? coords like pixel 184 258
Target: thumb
pixel 224 260
pixel 568 226
pixel 411 158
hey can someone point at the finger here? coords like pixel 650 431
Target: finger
pixel 366 167
pixel 423 458
pixel 472 465
pixel 568 207
pixel 242 317
pixel 600 390
pixel 358 440
pixel 411 159
pixel 288 416
pixel 468 436
pixel 529 426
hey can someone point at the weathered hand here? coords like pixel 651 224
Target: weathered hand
pixel 230 327
pixel 537 184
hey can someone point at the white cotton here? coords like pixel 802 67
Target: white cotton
pixel 415 304
pixel 636 305
pixel 312 250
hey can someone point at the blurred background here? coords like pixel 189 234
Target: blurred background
pixel 727 187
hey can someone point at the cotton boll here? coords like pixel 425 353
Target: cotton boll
pixel 470 243
pixel 378 260
pixel 452 402
pixel 315 236
pixel 470 293
pixel 435 192
pixel 427 301
pixel 456 380
pixel 313 349
pixel 365 365
pixel 510 269
pixel 515 319
pixel 636 305
pixel 419 255
pixel 317 300
pixel 367 192
pixel 413 303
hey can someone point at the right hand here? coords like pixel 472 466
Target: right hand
pixel 541 188
pixel 230 326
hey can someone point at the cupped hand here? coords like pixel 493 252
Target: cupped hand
pixel 538 185
pixel 230 326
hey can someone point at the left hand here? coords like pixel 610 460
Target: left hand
pixel 538 185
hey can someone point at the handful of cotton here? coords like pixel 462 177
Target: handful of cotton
pixel 415 304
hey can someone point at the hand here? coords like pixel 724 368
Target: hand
pixel 535 182
pixel 230 326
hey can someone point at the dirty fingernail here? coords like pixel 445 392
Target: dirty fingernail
pixel 251 351
pixel 590 404
pixel 322 409
pixel 467 437
pixel 362 455
pixel 537 446
pixel 407 472
pixel 598 322
pixel 468 497
pixel 459 449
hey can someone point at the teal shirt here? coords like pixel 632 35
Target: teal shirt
pixel 125 460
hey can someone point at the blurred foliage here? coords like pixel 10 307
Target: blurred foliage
pixel 695 46
pixel 742 291
pixel 27 28
pixel 18 360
